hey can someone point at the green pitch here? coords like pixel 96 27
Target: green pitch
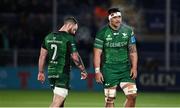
pixel 32 98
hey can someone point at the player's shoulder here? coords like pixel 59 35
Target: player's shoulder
pixel 61 34
pixel 65 34
pixel 103 29
pixel 49 35
pixel 127 27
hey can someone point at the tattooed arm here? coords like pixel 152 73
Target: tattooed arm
pixel 78 61
pixel 134 60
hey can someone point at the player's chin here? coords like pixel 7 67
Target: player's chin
pixel 117 24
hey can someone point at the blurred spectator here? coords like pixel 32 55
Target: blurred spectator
pixel 25 23
pixel 4 41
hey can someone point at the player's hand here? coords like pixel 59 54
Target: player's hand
pixel 84 75
pixel 133 73
pixel 41 77
pixel 99 77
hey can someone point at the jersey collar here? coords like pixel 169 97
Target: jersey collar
pixel 113 29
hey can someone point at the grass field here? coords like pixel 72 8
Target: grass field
pixel 32 98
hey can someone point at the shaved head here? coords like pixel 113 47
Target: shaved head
pixel 70 20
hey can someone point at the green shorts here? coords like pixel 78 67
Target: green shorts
pixel 62 81
pixel 115 74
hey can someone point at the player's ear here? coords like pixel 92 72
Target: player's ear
pixel 69 25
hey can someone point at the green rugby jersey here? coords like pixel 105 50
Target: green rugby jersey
pixel 59 45
pixel 114 43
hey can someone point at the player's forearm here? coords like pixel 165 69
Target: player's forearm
pixel 78 62
pixel 97 59
pixel 133 55
pixel 41 63
pixel 42 59
pixel 80 65
pixel 134 60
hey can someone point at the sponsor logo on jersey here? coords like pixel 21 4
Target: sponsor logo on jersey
pixel 109 37
pixel 53 76
pixel 60 84
pixel 124 35
pixel 54 62
pixel 54 41
pixel 107 84
pixel 116 44
pixel 51 85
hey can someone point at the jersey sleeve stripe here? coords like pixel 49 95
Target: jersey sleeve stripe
pixel 98 45
pixel 98 40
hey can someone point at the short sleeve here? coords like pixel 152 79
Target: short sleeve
pixel 98 43
pixel 43 45
pixel 73 46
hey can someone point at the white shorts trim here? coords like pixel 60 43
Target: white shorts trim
pixel 60 91
pixel 130 89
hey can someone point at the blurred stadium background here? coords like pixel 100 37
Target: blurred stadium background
pixel 24 24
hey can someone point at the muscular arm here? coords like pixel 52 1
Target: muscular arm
pixel 133 55
pixel 97 57
pixel 78 61
pixel 97 63
pixel 42 59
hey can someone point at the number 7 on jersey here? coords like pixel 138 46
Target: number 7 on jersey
pixel 54 47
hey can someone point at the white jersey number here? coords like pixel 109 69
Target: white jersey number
pixel 54 47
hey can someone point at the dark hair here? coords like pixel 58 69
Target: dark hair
pixel 113 10
pixel 70 19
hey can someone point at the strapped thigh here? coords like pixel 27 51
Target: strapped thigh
pixel 128 88
pixel 110 94
pixel 61 91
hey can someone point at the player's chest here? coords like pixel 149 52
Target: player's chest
pixel 116 39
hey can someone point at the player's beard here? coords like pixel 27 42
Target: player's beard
pixel 71 31
pixel 116 25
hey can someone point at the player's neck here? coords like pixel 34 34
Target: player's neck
pixel 114 27
pixel 64 28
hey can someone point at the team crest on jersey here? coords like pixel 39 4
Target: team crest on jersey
pixel 109 37
pixel 124 35
pixel 54 38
